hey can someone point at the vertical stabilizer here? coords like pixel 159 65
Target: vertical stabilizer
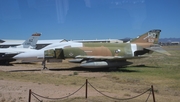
pixel 150 37
pixel 149 41
pixel 31 42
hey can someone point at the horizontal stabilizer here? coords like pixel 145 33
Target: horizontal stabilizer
pixel 159 50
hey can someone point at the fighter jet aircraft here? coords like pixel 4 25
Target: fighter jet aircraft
pixel 38 55
pixel 100 55
pixel 7 54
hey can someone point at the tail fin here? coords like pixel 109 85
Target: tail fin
pixel 150 37
pixel 149 41
pixel 31 42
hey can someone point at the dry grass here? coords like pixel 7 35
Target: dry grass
pixel 160 70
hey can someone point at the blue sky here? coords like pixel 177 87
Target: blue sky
pixel 88 19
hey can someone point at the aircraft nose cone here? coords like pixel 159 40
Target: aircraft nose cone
pixel 17 57
pixel 20 56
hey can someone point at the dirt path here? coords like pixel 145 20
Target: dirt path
pixel 18 91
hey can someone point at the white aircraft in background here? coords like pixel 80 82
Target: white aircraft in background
pixel 4 43
pixel 6 54
pixel 38 55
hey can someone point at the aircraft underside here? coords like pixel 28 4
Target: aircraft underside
pixel 6 59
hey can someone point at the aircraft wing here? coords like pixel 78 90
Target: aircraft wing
pixel 109 57
pixel 103 61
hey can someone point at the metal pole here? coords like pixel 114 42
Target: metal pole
pixel 29 95
pixel 153 93
pixel 86 87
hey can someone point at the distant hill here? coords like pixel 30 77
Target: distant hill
pixel 164 40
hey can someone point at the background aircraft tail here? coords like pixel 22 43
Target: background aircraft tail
pixel 150 37
pixel 31 42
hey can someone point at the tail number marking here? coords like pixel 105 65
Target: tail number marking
pixel 151 36
pixel 151 40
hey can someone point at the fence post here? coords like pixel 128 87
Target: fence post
pixel 29 95
pixel 86 87
pixel 153 93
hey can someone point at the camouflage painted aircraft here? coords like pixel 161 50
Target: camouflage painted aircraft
pixel 99 55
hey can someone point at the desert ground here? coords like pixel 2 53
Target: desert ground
pixel 63 79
